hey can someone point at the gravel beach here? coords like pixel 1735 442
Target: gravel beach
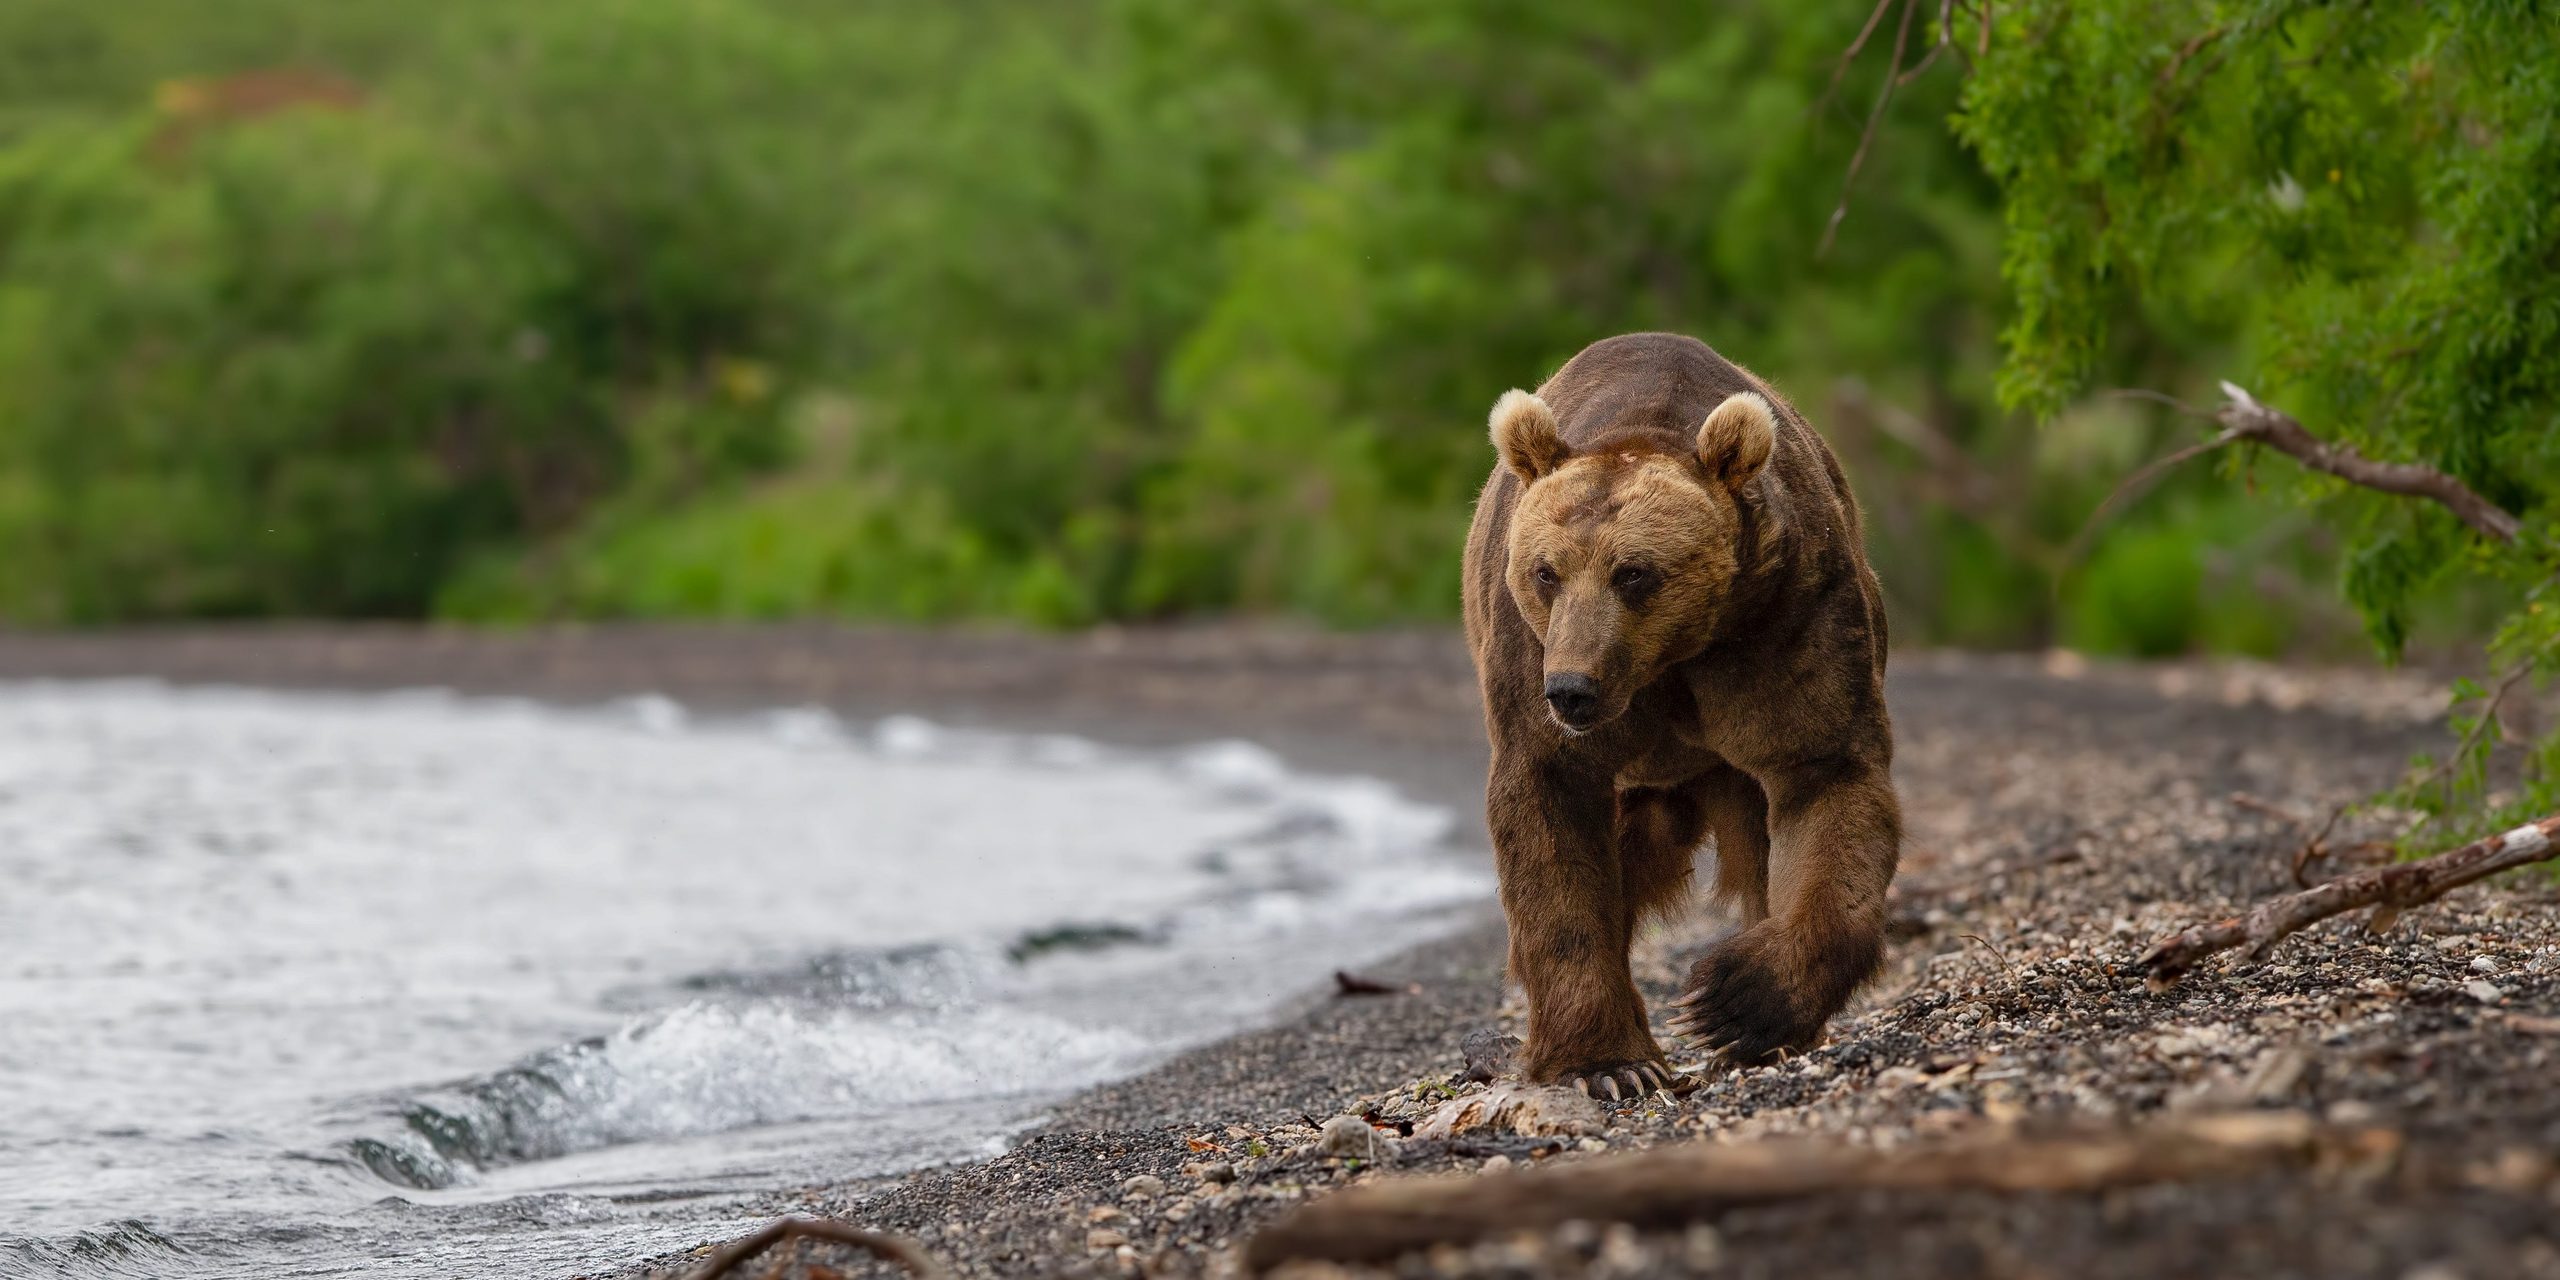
pixel 2061 816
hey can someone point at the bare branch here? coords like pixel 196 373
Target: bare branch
pixel 1700 1180
pixel 2244 419
pixel 2276 429
pixel 897 1249
pixel 2391 889
pixel 2488 717
pixel 1867 135
pixel 2135 486
pixel 1850 55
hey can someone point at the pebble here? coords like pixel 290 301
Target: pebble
pixel 1214 1171
pixel 1145 1186
pixel 1496 1163
pixel 2483 964
pixel 1350 1137
pixel 1102 1238
pixel 2484 991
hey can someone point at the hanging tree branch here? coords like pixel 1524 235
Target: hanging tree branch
pixel 1867 136
pixel 2278 430
pixel 2390 890
pixel 2245 420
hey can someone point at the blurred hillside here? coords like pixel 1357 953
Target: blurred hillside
pixel 996 308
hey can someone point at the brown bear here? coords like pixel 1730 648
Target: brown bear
pixel 1678 635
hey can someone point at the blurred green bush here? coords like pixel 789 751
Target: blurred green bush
pixel 1052 312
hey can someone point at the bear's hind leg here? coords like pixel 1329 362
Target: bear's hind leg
pixel 1737 812
pixel 1659 830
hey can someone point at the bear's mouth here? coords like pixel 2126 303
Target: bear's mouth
pixel 1579 725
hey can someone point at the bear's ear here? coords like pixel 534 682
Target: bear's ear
pixel 1735 440
pixel 1524 433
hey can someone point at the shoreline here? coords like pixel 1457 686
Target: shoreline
pixel 2061 812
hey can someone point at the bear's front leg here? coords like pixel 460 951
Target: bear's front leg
pixel 1835 835
pixel 1561 892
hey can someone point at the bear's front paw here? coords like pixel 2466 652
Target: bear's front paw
pixel 1759 991
pixel 1625 1081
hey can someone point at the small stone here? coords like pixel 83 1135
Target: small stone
pixel 2483 990
pixel 1704 1246
pixel 1350 1137
pixel 1593 1144
pixel 1495 1163
pixel 2483 964
pixel 1145 1186
pixel 2276 1074
pixel 1621 1249
pixel 1103 1213
pixel 1490 1055
pixel 1529 1110
pixel 1102 1239
pixel 1215 1172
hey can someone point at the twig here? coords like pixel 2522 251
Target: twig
pixel 2390 890
pixel 897 1249
pixel 1347 983
pixel 1850 55
pixel 2316 846
pixel 1700 1180
pixel 1867 135
pixel 1946 32
pixel 1996 954
pixel 2488 716
pixel 2134 486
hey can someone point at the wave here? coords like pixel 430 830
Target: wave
pixel 713 1067
pixel 860 1031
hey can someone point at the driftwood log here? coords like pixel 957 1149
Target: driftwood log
pixel 2388 889
pixel 897 1249
pixel 1667 1186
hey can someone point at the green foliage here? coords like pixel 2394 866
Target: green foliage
pixel 2366 200
pixel 1057 312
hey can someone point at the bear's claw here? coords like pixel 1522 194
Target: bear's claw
pixel 1735 1006
pixel 1628 1081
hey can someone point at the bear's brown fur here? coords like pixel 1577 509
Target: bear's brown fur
pixel 1668 598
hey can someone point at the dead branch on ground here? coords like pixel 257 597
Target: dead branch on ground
pixel 1692 1181
pixel 2390 890
pixel 897 1249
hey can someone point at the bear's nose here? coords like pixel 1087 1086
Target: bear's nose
pixel 1576 700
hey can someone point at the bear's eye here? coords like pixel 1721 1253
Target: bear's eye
pixel 1546 575
pixel 1632 577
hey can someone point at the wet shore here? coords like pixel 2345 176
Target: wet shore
pixel 2061 815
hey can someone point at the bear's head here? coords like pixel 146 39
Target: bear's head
pixel 1624 553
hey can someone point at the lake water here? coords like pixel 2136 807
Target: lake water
pixel 417 984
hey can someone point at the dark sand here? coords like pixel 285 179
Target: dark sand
pixel 2060 817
